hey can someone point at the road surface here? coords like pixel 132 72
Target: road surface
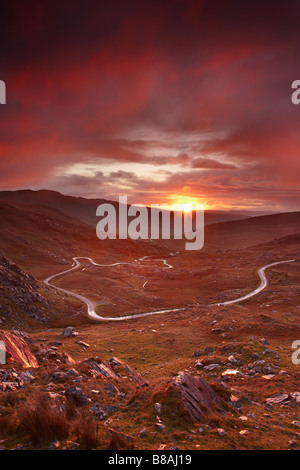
pixel 263 284
pixel 91 305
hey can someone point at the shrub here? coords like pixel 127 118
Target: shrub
pixel 87 432
pixel 43 421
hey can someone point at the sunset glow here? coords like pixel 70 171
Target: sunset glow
pixel 200 107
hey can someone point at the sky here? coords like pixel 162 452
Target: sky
pixel 162 101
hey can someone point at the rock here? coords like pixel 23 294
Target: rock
pixel 234 361
pixel 17 350
pixel 119 440
pixel 157 407
pixel 243 418
pixel 101 369
pixel 264 342
pixel 222 432
pixel 76 395
pixel 277 399
pixel 83 344
pixel 68 332
pixel 119 365
pixel 293 444
pixel 267 370
pixel 72 373
pixel 209 350
pixel 196 397
pixel 232 373
pixel 54 445
pixel 112 390
pixel 143 432
pixel 256 357
pixel 235 402
pixel 296 423
pixel 159 424
pixel 212 367
pixel 296 396
pixel 199 364
pixel 26 377
pixel 244 432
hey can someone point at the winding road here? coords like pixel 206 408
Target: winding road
pixel 263 284
pixel 91 305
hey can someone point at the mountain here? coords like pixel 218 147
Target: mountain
pixel 239 234
pixel 85 209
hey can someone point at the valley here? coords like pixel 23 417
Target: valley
pixel 136 380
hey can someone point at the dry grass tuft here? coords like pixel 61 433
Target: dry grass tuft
pixel 43 421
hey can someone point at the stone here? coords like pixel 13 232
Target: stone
pixel 112 389
pixel 196 396
pixel 119 365
pixel 68 332
pixel 278 398
pixel 212 367
pixel 17 350
pixel 264 342
pixel 199 364
pixel 157 407
pixel 232 373
pixel 296 396
pixel 76 395
pixel 119 440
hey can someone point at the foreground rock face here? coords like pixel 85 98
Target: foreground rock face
pixel 119 440
pixel 197 398
pixel 182 398
pixel 17 350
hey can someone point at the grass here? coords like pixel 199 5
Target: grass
pixel 43 421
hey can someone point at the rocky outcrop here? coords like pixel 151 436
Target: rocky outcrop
pixel 76 396
pixel 100 369
pixel 196 396
pixel 184 398
pixel 120 366
pixel 17 350
pixel 114 369
pixel 119 440
pixel 19 293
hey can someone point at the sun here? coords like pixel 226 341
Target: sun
pixel 186 204
pixel 188 207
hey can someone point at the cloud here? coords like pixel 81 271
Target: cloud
pixel 180 96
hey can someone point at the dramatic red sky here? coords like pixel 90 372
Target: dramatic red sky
pixel 153 99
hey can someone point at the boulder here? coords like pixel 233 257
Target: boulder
pixel 68 332
pixel 76 395
pixel 17 350
pixel 182 398
pixel 197 397
pixel 119 440
pixel 120 366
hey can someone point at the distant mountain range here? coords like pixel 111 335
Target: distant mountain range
pixel 42 227
pixel 85 209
